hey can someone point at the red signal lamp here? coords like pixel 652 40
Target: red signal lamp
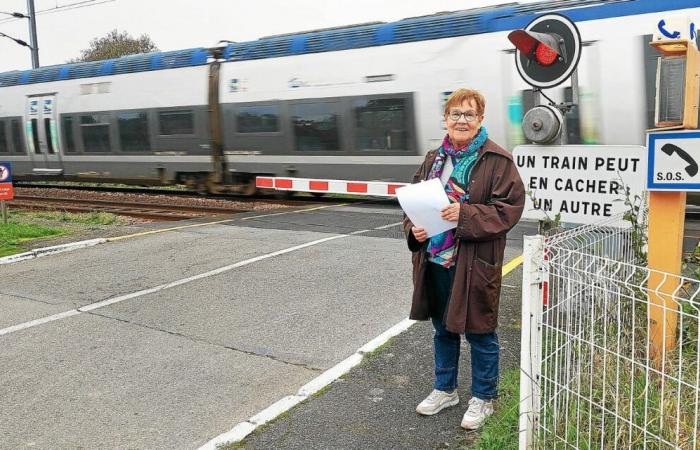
pixel 547 50
pixel 544 48
pixel 545 54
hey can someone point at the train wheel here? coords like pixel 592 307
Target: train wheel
pixel 203 186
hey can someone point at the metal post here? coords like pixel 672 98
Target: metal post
pixel 3 208
pixel 533 258
pixel 574 88
pixel 563 131
pixel 33 41
pixel 536 97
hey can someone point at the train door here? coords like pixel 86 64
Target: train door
pixel 42 135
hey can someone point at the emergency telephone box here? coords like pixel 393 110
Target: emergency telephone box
pixel 677 84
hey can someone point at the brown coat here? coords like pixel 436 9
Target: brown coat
pixel 497 198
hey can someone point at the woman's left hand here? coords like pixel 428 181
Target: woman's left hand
pixel 451 212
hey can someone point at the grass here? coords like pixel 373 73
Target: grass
pixel 628 399
pixel 23 227
pixel 89 218
pixel 13 234
pixel 231 446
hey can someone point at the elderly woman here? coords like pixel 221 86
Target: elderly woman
pixel 457 274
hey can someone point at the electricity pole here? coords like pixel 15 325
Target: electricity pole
pixel 32 34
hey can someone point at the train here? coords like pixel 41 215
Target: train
pixel 360 102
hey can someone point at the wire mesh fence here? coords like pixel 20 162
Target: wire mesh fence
pixel 611 354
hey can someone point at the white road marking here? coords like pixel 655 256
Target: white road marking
pixel 33 323
pixel 243 429
pixel 121 298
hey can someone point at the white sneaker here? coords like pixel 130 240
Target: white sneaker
pixel 477 413
pixel 436 402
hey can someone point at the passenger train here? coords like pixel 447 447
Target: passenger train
pixel 361 102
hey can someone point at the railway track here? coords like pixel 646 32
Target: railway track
pixel 289 200
pixel 142 210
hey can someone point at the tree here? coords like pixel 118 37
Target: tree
pixel 114 45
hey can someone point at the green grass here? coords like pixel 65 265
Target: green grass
pixel 500 432
pixel 231 446
pixel 610 386
pixel 24 226
pixel 13 234
pixel 91 218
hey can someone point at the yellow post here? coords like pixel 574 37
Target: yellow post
pixel 667 218
pixel 666 227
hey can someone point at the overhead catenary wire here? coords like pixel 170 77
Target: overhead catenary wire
pixel 19 41
pixel 67 7
pixel 15 15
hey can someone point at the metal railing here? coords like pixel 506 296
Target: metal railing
pixel 593 372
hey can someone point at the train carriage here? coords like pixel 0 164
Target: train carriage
pixel 359 102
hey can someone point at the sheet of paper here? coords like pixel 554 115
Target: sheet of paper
pixel 422 203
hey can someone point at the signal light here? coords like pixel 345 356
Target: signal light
pixel 545 55
pixel 547 50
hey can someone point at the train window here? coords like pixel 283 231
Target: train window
pixel 17 141
pixel 315 127
pixel 3 139
pixel 94 129
pixel 381 124
pixel 176 122
pixel 133 131
pixel 68 137
pixel 49 135
pixel 257 119
pixel 35 135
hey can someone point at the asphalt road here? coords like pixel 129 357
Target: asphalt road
pixel 198 329
pixel 373 406
pixel 174 367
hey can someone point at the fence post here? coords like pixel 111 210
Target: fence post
pixel 530 346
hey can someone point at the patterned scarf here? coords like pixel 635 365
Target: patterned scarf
pixel 441 247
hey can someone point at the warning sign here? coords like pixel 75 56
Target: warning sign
pixel 6 191
pixel 582 183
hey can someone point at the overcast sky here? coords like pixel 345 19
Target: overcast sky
pixel 180 24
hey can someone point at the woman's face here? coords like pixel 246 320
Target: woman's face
pixel 464 127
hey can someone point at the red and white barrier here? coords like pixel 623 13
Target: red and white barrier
pixel 375 188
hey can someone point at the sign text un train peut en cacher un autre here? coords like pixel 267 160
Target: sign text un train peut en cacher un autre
pixel 582 183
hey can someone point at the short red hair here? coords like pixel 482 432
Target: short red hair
pixel 460 95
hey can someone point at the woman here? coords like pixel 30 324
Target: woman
pixel 457 274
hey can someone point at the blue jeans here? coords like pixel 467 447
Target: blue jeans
pixel 484 347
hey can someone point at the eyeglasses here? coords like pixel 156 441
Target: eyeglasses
pixel 469 116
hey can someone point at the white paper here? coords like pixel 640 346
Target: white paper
pixel 422 203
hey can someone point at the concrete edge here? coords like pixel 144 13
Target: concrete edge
pixel 243 429
pixel 45 251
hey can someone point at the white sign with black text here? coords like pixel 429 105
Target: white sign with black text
pixel 673 161
pixel 582 183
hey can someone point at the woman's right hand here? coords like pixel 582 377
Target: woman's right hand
pixel 419 233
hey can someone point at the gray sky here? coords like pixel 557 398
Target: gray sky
pixel 179 24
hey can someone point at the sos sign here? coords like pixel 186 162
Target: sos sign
pixel 673 159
